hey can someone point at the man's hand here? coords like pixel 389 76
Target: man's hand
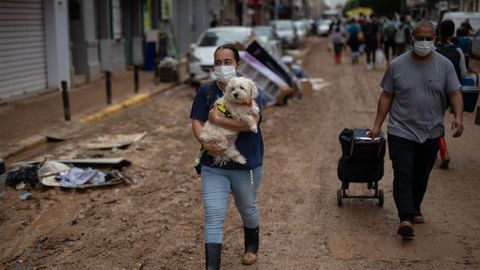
pixel 213 149
pixel 457 128
pixel 374 132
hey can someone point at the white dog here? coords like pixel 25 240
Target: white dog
pixel 238 102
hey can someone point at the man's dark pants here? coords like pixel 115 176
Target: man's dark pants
pixel 412 164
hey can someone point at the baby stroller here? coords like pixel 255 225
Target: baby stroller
pixel 361 162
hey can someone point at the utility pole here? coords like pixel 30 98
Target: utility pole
pixel 222 12
pixel 275 10
pixel 244 13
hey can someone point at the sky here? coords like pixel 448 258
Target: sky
pixel 333 3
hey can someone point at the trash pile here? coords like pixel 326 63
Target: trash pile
pixel 66 174
pixel 167 70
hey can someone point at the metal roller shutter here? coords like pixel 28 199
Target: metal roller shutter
pixel 22 47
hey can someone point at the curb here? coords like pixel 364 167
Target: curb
pixel 134 100
pixel 96 117
pixel 37 140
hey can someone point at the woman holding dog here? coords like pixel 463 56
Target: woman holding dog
pixel 217 181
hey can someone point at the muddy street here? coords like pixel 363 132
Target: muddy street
pixel 157 223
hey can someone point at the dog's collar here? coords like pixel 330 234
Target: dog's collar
pixel 223 109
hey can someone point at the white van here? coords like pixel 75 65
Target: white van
pixel 459 17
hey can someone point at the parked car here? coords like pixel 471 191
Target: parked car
pixel 301 29
pixel 459 17
pixel 323 25
pixel 263 33
pixel 284 30
pixel 476 45
pixel 200 57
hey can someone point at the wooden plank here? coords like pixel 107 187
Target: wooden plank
pixel 93 162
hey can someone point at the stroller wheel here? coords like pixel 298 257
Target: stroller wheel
pixel 380 198
pixel 339 197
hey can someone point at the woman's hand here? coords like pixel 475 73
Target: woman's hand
pixel 213 148
pixel 214 115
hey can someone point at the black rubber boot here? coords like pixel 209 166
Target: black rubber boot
pixel 213 252
pixel 251 245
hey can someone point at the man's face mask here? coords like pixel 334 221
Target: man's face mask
pixel 423 46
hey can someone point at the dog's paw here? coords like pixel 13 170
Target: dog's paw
pixel 241 160
pixel 253 128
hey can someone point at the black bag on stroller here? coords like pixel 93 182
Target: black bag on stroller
pixel 362 161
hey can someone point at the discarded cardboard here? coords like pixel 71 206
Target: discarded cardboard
pixel 306 87
pixel 114 141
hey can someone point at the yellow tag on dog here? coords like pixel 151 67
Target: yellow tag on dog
pixel 221 108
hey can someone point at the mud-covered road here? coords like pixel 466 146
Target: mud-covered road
pixel 157 223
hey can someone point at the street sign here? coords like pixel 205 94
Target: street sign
pixel 106 54
pixel 137 47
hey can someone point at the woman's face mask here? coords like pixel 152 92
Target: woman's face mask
pixel 224 73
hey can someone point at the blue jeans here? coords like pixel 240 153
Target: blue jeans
pixel 412 163
pixel 216 185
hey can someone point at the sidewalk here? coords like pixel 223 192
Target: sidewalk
pixel 24 122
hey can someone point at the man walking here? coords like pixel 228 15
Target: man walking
pixel 416 86
pixel 371 33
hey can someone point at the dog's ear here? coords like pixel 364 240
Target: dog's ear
pixel 253 89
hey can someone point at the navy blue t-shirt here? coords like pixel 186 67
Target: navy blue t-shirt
pixel 249 144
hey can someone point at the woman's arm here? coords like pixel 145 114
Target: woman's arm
pixel 217 118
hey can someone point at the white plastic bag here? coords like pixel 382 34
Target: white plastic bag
pixel 379 57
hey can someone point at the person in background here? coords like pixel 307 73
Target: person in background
pixel 388 37
pixel 464 42
pixel 338 40
pixel 401 36
pixel 453 53
pixel 214 21
pixel 354 32
pixel 415 88
pixel 371 34
pixel 467 26
pixel 218 181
